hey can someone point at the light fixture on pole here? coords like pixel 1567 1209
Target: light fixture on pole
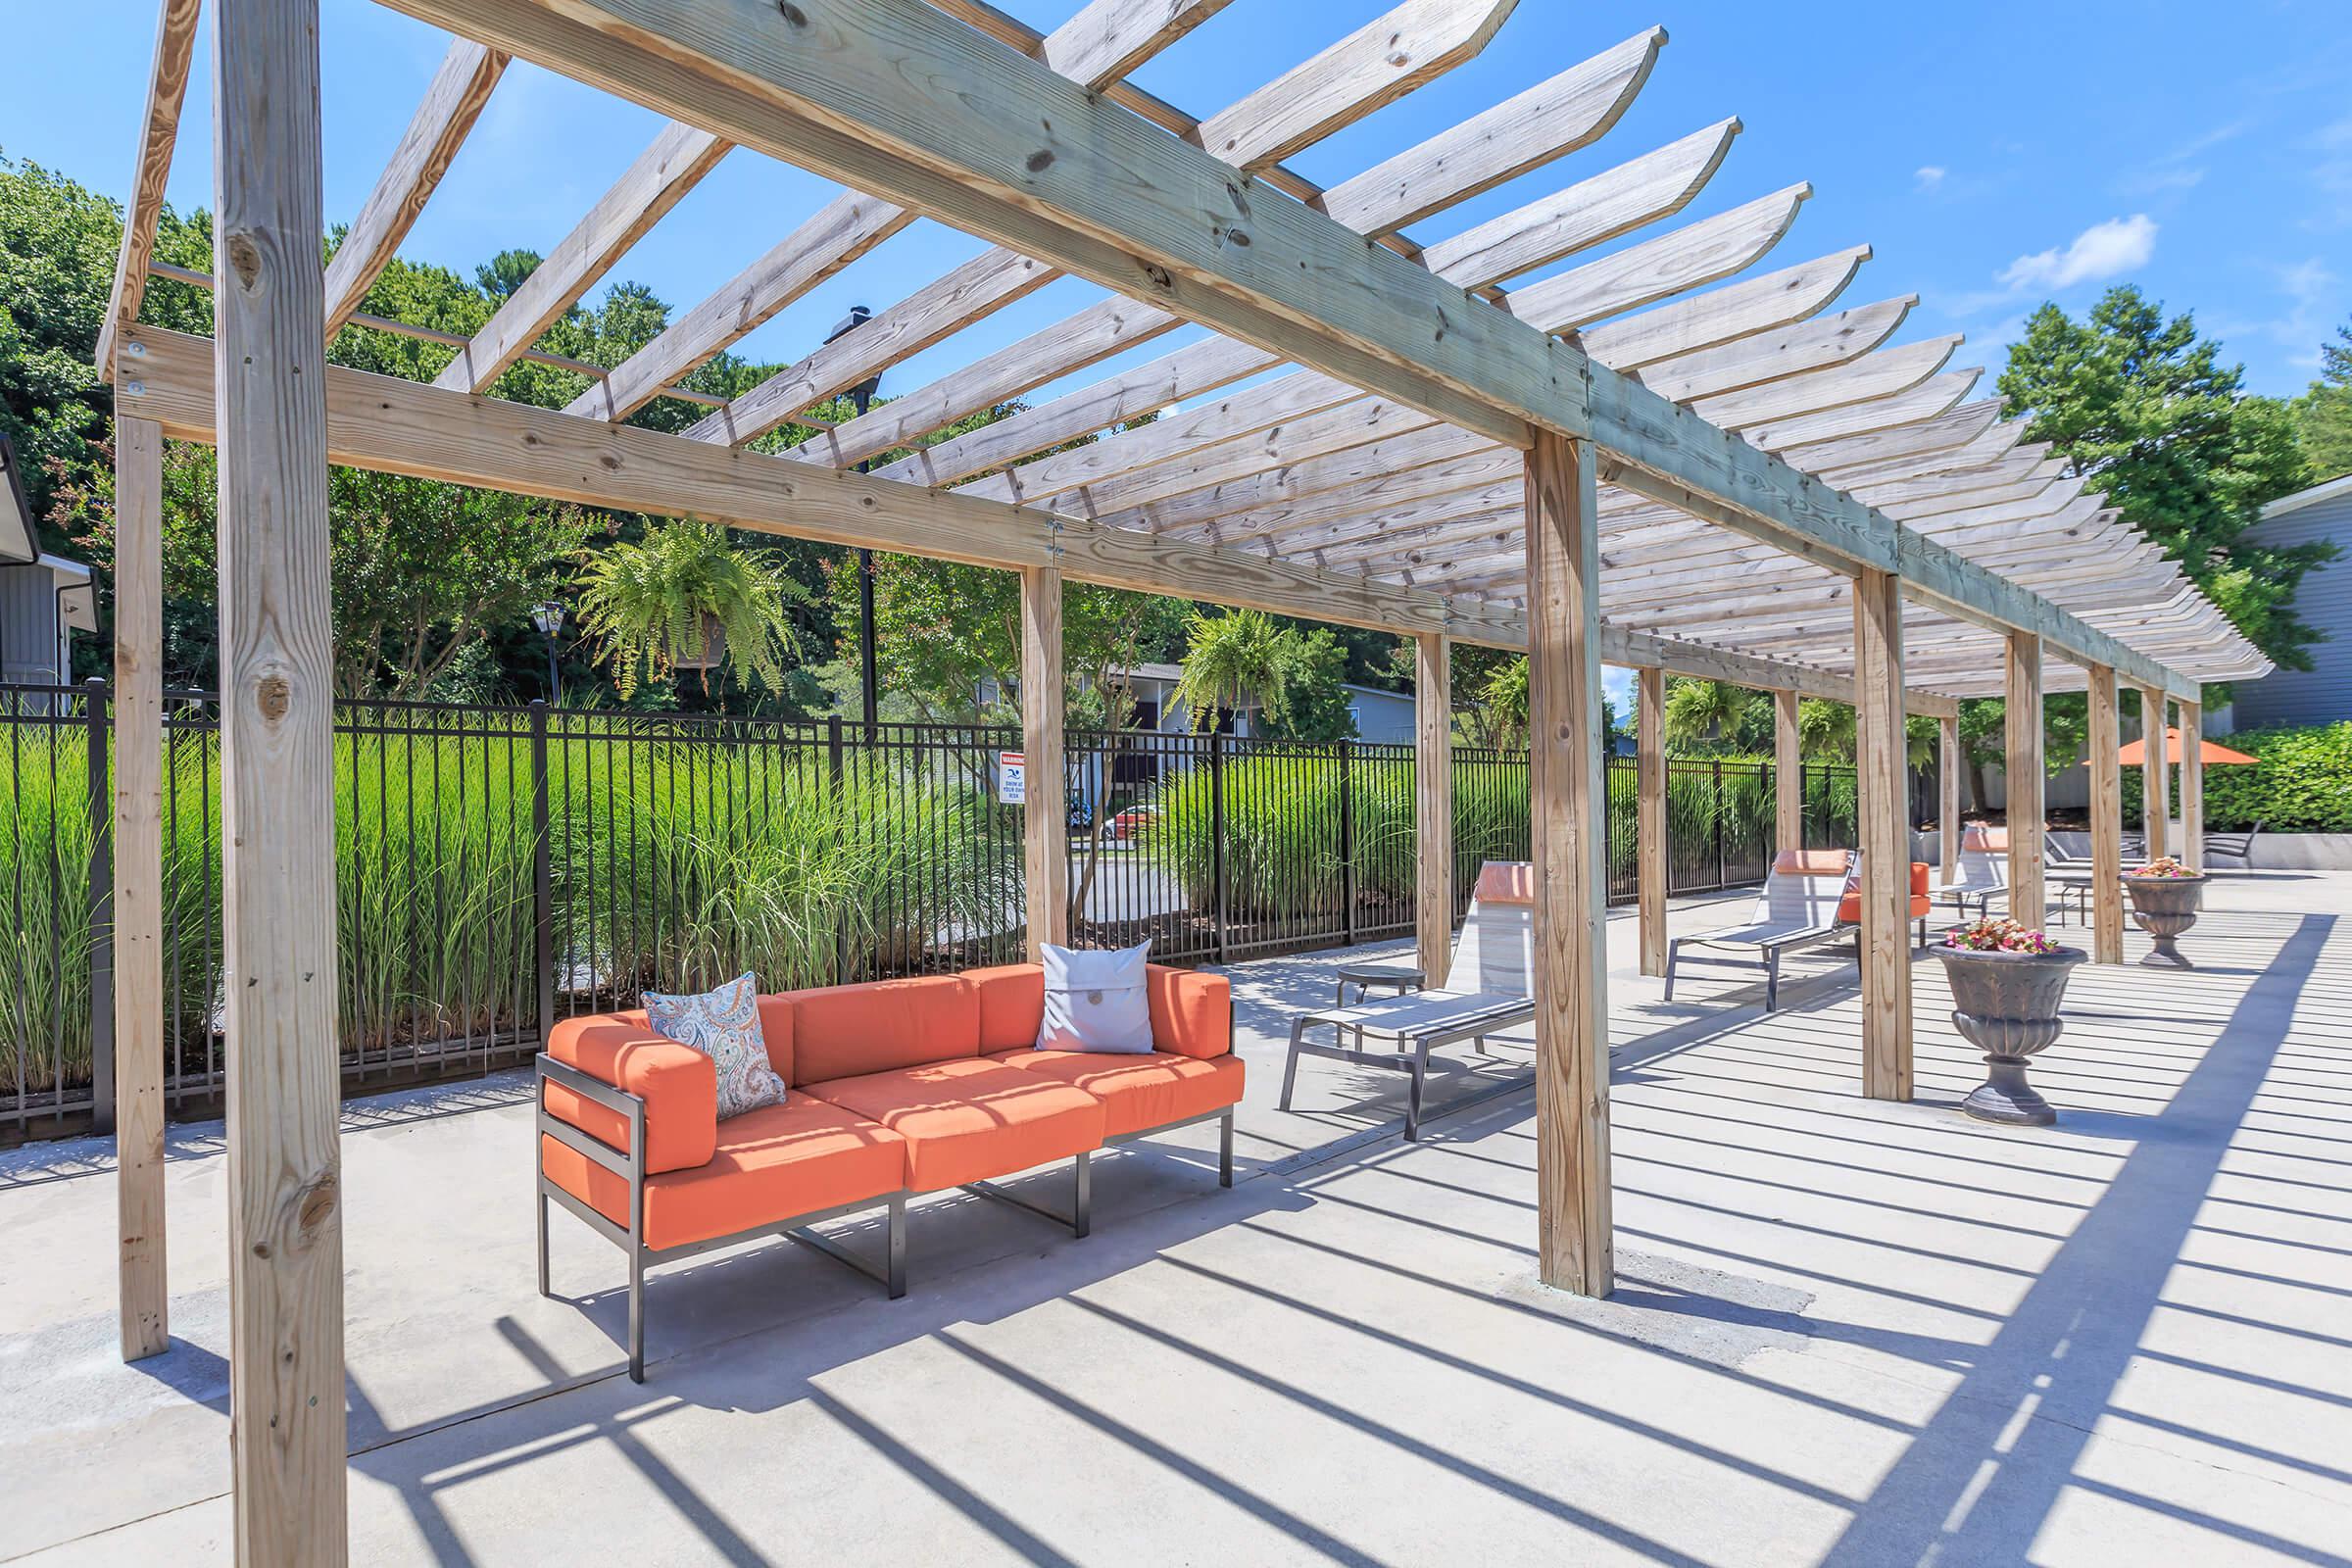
pixel 862 397
pixel 548 616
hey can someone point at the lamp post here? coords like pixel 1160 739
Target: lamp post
pixel 548 616
pixel 862 397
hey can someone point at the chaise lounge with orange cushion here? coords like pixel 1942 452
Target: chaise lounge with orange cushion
pixel 897 1088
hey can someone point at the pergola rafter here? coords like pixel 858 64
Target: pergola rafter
pixel 1551 429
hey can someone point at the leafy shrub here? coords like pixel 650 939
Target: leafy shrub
pixel 2300 783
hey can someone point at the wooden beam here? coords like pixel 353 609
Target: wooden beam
pixel 277 796
pixel 454 100
pixel 2106 820
pixel 2024 776
pixel 1575 1247
pixel 1649 815
pixel 1788 773
pixel 1947 787
pixel 1109 38
pixel 680 157
pixel 1032 161
pixel 1045 808
pixel 398 427
pixel 1882 789
pixel 159 131
pixel 2192 786
pixel 138 908
pixel 2156 793
pixel 1432 806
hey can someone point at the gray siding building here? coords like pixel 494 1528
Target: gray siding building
pixel 43 599
pixel 2322 694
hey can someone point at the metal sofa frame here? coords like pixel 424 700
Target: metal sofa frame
pixel 891 1274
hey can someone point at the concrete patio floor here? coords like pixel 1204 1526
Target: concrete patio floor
pixel 1846 1332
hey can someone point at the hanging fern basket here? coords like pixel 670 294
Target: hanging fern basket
pixel 714 646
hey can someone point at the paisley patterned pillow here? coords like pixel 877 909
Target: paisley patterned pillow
pixel 724 1025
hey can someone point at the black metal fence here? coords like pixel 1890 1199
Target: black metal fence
pixel 502 867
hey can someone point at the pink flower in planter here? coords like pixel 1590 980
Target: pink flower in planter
pixel 2165 866
pixel 1999 935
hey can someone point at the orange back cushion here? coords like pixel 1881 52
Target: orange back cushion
pixel 843 1031
pixel 775 1032
pixel 1192 1013
pixel 1811 862
pixel 678 1083
pixel 1849 908
pixel 1012 1004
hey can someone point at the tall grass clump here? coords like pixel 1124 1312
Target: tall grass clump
pixel 44 889
pixel 1281 828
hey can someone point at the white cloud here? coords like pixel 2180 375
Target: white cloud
pixel 2103 249
pixel 1929 177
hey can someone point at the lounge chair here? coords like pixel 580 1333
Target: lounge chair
pixel 1489 989
pixel 2239 847
pixel 1983 873
pixel 1796 909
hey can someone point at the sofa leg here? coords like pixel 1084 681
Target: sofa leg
pixel 1225 1149
pixel 898 1246
pixel 1082 1209
pixel 636 1314
pixel 540 1198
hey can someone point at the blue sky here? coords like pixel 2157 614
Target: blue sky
pixel 1994 153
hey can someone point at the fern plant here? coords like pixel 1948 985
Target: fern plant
pixel 684 598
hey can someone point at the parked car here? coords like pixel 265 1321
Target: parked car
pixel 1130 825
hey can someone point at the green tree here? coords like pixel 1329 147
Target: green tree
pixel 2143 410
pixel 2323 414
pixel 1314 703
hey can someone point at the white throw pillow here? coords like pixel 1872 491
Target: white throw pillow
pixel 1094 1001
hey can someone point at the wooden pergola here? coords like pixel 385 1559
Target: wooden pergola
pixel 1642 456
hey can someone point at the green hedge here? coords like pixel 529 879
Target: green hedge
pixel 2302 782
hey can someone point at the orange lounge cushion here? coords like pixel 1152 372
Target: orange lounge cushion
pixel 848 1031
pixel 1192 1013
pixel 1139 1093
pixel 770 1164
pixel 1812 862
pixel 1849 908
pixel 678 1083
pixel 971 1119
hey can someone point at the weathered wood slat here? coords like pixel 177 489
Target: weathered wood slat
pixel 159 133
pixel 453 101
pixel 1658 269
pixel 680 157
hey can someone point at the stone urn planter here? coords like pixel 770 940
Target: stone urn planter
pixel 2165 906
pixel 2006 1005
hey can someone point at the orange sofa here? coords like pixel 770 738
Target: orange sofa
pixel 897 1086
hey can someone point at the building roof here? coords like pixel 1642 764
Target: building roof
pixel 2336 489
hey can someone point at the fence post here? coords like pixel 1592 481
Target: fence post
pixel 1722 873
pixel 543 876
pixel 101 910
pixel 1347 841
pixel 1217 829
pixel 833 770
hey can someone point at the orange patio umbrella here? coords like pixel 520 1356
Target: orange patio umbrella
pixel 2135 755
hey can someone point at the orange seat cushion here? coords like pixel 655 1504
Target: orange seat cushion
pixel 679 1084
pixel 968 1120
pixel 770 1164
pixel 1849 908
pixel 1139 1093
pixel 847 1031
pixel 1192 1013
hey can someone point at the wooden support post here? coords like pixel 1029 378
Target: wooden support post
pixel 1649 816
pixel 1787 775
pixel 1574 1229
pixel 1883 802
pixel 2192 786
pixel 1948 783
pixel 1433 804
pixel 277 801
pixel 2106 819
pixel 1045 811
pixel 2020 724
pixel 2155 770
pixel 138 718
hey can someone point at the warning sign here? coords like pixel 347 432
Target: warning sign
pixel 1012 778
